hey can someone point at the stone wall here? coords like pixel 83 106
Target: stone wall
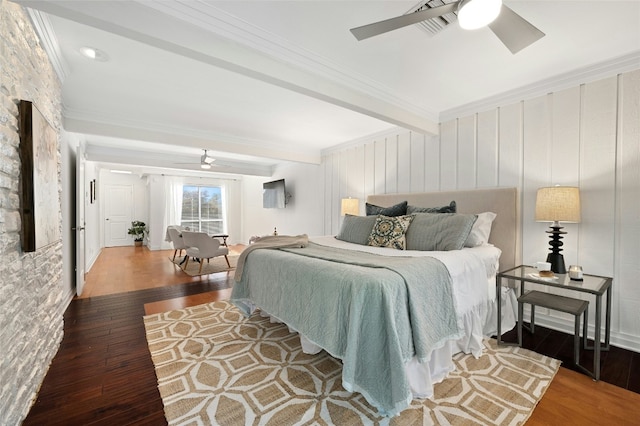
pixel 32 297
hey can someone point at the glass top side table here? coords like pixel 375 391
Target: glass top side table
pixel 591 284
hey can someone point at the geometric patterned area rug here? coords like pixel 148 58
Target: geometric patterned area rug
pixel 216 264
pixel 216 367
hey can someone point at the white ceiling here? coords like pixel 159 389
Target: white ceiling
pixel 261 82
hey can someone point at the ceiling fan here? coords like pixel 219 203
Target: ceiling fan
pixel 514 31
pixel 206 161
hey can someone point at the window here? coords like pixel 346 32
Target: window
pixel 203 209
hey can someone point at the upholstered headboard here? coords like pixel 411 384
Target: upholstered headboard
pixel 505 232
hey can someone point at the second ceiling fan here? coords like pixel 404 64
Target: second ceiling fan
pixel 514 31
pixel 206 161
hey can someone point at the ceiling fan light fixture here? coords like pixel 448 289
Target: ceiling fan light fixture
pixel 474 14
pixel 205 166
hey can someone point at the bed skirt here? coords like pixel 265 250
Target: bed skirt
pixel 478 323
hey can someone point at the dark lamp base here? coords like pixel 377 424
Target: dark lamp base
pixel 557 263
pixel 555 242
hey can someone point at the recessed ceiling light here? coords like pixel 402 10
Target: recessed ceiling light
pixel 93 53
pixel 124 172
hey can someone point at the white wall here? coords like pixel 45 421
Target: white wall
pixel 588 136
pixel 94 212
pixel 303 213
pixel 156 188
pixel 93 224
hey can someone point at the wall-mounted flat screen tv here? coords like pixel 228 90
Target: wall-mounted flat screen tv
pixel 273 194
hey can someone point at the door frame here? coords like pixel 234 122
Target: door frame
pixel 79 228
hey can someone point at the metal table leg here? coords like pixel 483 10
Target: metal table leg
pixel 607 323
pixel 499 301
pixel 596 339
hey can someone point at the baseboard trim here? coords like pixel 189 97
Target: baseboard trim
pixel 92 260
pixel 617 339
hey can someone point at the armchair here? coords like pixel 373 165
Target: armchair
pixel 176 239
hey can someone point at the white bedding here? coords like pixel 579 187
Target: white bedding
pixel 471 269
pixel 473 273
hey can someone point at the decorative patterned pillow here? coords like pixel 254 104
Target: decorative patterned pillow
pixel 451 208
pixel 390 231
pixel 399 209
pixel 356 229
pixel 439 232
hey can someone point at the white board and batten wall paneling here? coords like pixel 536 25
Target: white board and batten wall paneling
pixel 597 174
pixel 401 162
pixel 448 179
pixel 467 158
pixel 487 149
pixel 627 208
pixel 380 166
pixel 392 166
pixel 510 152
pixel 587 136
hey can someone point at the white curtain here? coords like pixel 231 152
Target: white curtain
pixel 173 200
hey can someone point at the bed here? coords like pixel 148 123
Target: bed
pixel 394 317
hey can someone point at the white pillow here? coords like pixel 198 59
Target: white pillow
pixel 480 231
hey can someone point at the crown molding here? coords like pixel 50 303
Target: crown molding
pixel 618 65
pixel 49 41
pixel 210 18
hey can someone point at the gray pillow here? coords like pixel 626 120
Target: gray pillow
pixel 399 209
pixel 451 208
pixel 438 231
pixel 356 229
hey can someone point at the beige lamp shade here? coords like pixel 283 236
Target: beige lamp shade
pixel 558 204
pixel 350 206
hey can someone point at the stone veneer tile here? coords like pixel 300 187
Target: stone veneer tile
pixel 31 288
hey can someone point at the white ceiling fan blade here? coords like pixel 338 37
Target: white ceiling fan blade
pixel 391 24
pixel 195 163
pixel 514 31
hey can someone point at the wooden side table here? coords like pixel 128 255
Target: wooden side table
pixel 591 284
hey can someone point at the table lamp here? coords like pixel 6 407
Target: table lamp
pixel 557 204
pixel 350 206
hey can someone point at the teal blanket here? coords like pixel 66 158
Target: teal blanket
pixel 373 312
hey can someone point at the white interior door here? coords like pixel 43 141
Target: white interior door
pixel 81 200
pixel 118 212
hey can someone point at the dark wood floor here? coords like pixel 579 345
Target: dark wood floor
pixel 619 366
pixel 103 374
